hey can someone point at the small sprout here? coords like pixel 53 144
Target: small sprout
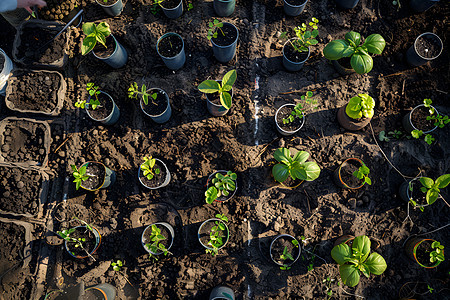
pixel 299 110
pixel 117 266
pixel 216 234
pixel 147 168
pixel 212 31
pixel 79 174
pixel 133 91
pixel 305 38
pixel 362 173
pixel 190 6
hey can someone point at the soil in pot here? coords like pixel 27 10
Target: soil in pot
pixel 33 38
pixel 96 172
pixel 347 170
pixel 170 46
pixel 419 119
pixel 89 244
pixel 284 113
pixel 156 106
pixel 157 179
pixel 57 9
pixel 164 231
pixel 428 46
pixel 35 91
pixel 106 2
pixel 296 2
pixel 225 35
pixel 169 4
pixel 278 248
pixel 103 52
pixel 294 55
pixel 423 253
pixel 102 111
pixel 16 183
pixel 206 230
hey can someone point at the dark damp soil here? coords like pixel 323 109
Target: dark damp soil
pixel 156 106
pixel 35 91
pixel 278 249
pixel 96 173
pixel 170 3
pixel 417 194
pixel 88 243
pixel 32 40
pixel 226 35
pixel 284 113
pixel 293 55
pixel 103 110
pixel 423 253
pixel 428 46
pixel 103 52
pixel 296 2
pixel 170 46
pixel 57 9
pixel 164 232
pixel 345 62
pixel 157 179
pixel 347 170
pixel 419 119
pixel 222 198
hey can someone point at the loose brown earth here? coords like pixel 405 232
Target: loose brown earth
pixel 193 145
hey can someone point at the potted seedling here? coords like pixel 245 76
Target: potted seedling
pixel 290 118
pixel 213 234
pixel 295 167
pixel 100 106
pixel 158 238
pixel 347 4
pixel 153 173
pixel 297 50
pixel 423 191
pixel 423 120
pixel 103 44
pixel 349 54
pixel 223 37
pixel 171 8
pixel 221 186
pixel 6 66
pixel 427 47
pixel 224 8
pixel 428 253
pixel 81 241
pixel 219 93
pixel 111 7
pixel 154 102
pixel 352 174
pixel 171 49
pixel 354 258
pixel 294 7
pixel 284 251
pixel 93 176
pixel 357 113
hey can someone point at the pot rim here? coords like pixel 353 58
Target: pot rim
pixel 112 54
pixel 165 224
pixel 104 178
pixel 234 42
pixel 98 241
pixel 294 62
pixel 100 290
pixel 107 6
pixel 112 111
pixel 279 127
pixel 213 220
pixel 159 186
pixel 141 102
pixel 415 258
pixel 296 6
pixel 167 35
pixel 175 8
pixel 410 120
pixel 293 238
pixel 339 173
pixel 432 34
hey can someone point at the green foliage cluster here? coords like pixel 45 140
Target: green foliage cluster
pixel 305 38
pixel 296 167
pixel 223 88
pixel 212 29
pixel 79 174
pixel 94 33
pixel 222 185
pixel 437 255
pixel 286 255
pixel 360 106
pixel 439 121
pixel 155 246
pixel 362 174
pixel 133 92
pixel 147 168
pixel 299 109
pixel 217 234
pixel 93 91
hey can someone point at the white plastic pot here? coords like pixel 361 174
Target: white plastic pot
pixel 6 70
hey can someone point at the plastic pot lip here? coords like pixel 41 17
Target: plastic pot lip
pixel 149 227
pixel 410 121
pixel 154 116
pixel 172 9
pixel 213 220
pixel 235 182
pixel 226 1
pixel 410 196
pixel 115 49
pixel 157 187
pixel 167 35
pixel 112 111
pixel 98 241
pixel 100 290
pixel 219 105
pixel 296 6
pixel 103 5
pixel 235 41
pixel 339 173
pixel 432 34
pixel 293 238
pixel 289 132
pixel 294 62
pixel 415 258
pixel 104 179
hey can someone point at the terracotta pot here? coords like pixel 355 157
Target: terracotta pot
pixel 349 123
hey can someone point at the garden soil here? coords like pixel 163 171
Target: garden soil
pixel 194 144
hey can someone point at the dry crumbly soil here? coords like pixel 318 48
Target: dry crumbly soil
pixel 194 144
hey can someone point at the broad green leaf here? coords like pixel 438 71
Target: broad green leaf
pixel 361 63
pixel 353 108
pixel 341 253
pixel 349 275
pixel 209 86
pixel 353 37
pixel 282 155
pixel 337 49
pixel 280 172
pixel 376 264
pixel 298 172
pixel 301 156
pixel 427 182
pixel 375 43
pixel 432 196
pixel 225 100
pixel 103 29
pixel 88 44
pixel 88 28
pixel 443 181
pixel 211 195
pixel 362 245
pixel 229 79
pixel 312 170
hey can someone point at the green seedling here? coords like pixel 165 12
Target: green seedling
pixel 147 168
pixel 296 167
pixel 362 173
pixel 79 174
pixel 222 185
pixel 94 102
pixel 299 109
pixel 190 6
pixel 133 92
pixel 216 234
pixel 328 282
pixel 156 246
pixel 94 33
pixel 305 38
pixel 66 234
pixel 117 266
pixel 396 134
pixel 432 188
pixel 223 88
pixel 430 289
pixel 286 255
pixel 439 121
pixel 360 106
pixel 437 255
pixel 212 30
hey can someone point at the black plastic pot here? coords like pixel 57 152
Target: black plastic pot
pixel 112 118
pixel 98 241
pixel 405 194
pixel 222 293
pixel 224 8
pixel 118 58
pixel 347 4
pixel 414 58
pixel 113 9
pixel 281 130
pixel 173 13
pixel 338 178
pixel 422 5
pixel 221 198
pixel 164 116
pixel 294 10
pixel 177 61
pixel 166 181
pixel 202 232
pixel 411 250
pixel 110 176
pixel 293 66
pixel 225 53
